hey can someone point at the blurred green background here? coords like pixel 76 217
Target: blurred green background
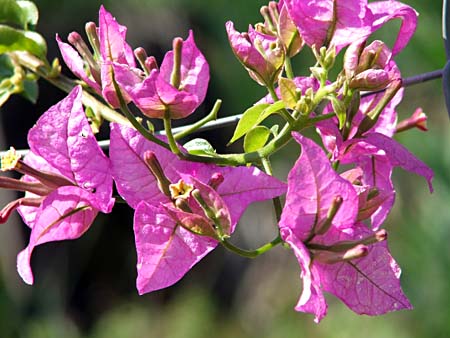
pixel 85 288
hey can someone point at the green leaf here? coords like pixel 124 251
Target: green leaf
pixel 272 109
pixel 30 90
pixel 248 121
pixel 256 138
pixel 199 146
pixel 8 78
pixel 6 67
pixel 288 92
pixel 30 12
pixel 12 40
pixel 19 13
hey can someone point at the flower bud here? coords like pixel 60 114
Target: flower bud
pixel 196 224
pixel 10 207
pixel 213 206
pixel 91 32
pixel 175 78
pixel 329 257
pixel 417 120
pixel 155 168
pixel 371 117
pixel 216 180
pixel 370 80
pixel 332 211
pixel 141 56
pixel 261 54
pixel 77 41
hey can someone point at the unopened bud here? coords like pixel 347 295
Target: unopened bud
pixel 381 235
pixel 374 56
pixel 141 56
pixel 216 180
pixel 372 79
pixel 24 201
pixel 150 63
pixel 332 211
pixel 91 32
pixel 77 41
pixel 196 224
pixel 417 120
pixel 175 78
pixel 206 208
pixel 318 72
pixel 155 168
pixel 358 251
pixel 346 246
pixel 372 117
pixel 330 257
pixel 182 204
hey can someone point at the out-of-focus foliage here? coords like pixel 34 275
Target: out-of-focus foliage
pixel 87 289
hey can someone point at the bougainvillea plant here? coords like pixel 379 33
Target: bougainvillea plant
pixel 188 199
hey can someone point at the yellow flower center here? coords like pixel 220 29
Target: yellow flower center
pixel 180 189
pixel 9 160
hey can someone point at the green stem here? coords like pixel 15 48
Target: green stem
pixel 251 253
pixel 134 122
pixel 210 117
pixel 168 129
pixel 335 165
pixel 288 68
pixel 276 200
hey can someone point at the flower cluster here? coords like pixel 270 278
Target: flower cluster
pixel 187 201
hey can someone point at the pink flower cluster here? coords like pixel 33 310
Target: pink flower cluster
pixel 331 220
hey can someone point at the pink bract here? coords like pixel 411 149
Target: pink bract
pixel 62 143
pixel 259 53
pixel 156 97
pixel 159 240
pixel 369 283
pixel 355 20
pixel 113 49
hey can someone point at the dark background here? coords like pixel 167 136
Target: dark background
pixel 85 288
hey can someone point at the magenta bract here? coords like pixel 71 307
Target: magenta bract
pixel 113 49
pixel 345 259
pixel 156 97
pixel 259 53
pixel 156 232
pixel 320 24
pixel 64 148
